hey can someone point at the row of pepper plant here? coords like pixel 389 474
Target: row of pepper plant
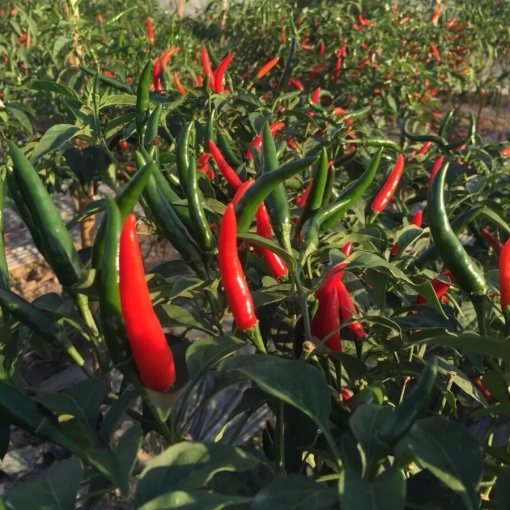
pixel 364 265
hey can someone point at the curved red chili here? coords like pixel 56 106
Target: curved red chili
pixel 156 75
pixel 296 84
pixel 504 275
pixel 266 68
pixel 232 275
pixel 150 31
pixel 496 245
pixel 387 191
pixel 257 141
pixel 206 67
pixel 316 95
pixel 327 318
pixel 151 352
pixel 220 72
pixel 276 264
pixel 435 167
pixel 178 84
pixel 225 169
pixel 435 52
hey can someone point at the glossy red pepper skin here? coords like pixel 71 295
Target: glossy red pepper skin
pixel 178 84
pixel 417 218
pixel 436 13
pixel 150 31
pixel 327 318
pixel 483 390
pixel 435 167
pixel 348 310
pixel 388 189
pixel 435 52
pixel 232 275
pixel 225 169
pixel 276 264
pixel 206 67
pixel 266 68
pixel 296 84
pixel 220 73
pixel 156 72
pixel 504 275
pixel 316 95
pixel 150 349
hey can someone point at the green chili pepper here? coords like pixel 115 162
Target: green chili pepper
pixel 329 187
pixel 257 158
pixel 380 142
pixel 316 194
pixel 469 138
pixel 353 192
pixel 142 98
pixel 287 71
pixel 448 245
pixel 56 242
pixel 171 226
pixel 203 234
pixel 408 411
pixel 421 138
pixel 227 151
pixel 111 82
pixel 109 299
pixel 126 199
pixel 182 153
pixel 209 132
pixel 443 128
pixel 256 194
pixel 357 113
pixel 38 322
pixel 458 225
pixel 326 217
pixel 276 202
pixel 151 131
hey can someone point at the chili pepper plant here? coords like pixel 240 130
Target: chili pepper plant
pixel 338 300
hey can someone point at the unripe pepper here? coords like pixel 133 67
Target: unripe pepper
pixel 387 191
pixel 234 281
pixel 149 346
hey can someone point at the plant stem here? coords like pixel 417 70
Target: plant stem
pixel 303 303
pixel 280 437
pixel 479 306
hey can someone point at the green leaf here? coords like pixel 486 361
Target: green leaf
pixel 365 424
pixel 386 492
pixel 57 88
pixel 451 452
pixel 173 315
pixel 205 354
pixel 189 466
pixel 53 139
pixel 295 493
pixel 295 382
pixel 61 44
pixel 115 413
pixel 57 491
pixel 472 342
pixel 126 452
pixel 21 117
pixel 269 245
pixel 502 489
pixel 196 500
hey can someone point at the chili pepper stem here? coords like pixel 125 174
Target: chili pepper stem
pixel 78 359
pixel 256 339
pixel 479 306
pixel 280 437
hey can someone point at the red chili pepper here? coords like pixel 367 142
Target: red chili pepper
pixel 460 26
pixel 338 66
pixel 322 47
pixel 301 200
pixel 451 22
pixel 504 275
pixel 123 145
pixel 200 80
pixel 206 67
pixel 220 72
pixel 417 218
pixel 316 95
pixel 348 311
pixel 483 390
pixel 440 287
pixel 150 31
pixel 225 169
pixel 496 245
pixel 387 191
pixel 436 13
pixel 178 84
pixel 165 56
pixel 232 275
pixel 296 84
pixel 156 76
pixel 306 47
pixel 257 141
pixel 276 264
pixel 424 148
pixel 151 352
pixel 435 168
pixel 241 191
pixel 316 70
pixel 266 68
pixel 505 152
pixel 435 52
pixel 327 318
pixel 100 19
